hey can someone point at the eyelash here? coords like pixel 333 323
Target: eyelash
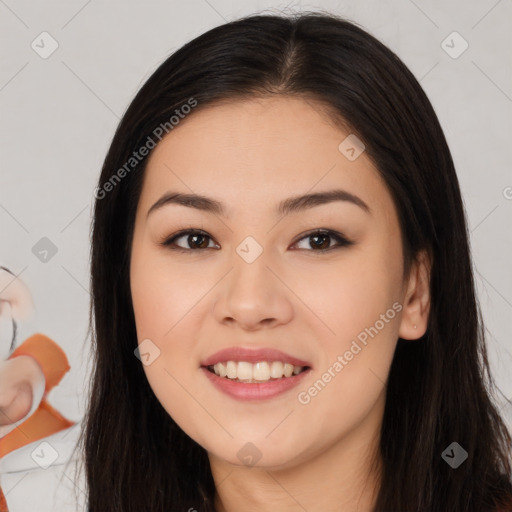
pixel 342 240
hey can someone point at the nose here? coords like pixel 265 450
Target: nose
pixel 253 296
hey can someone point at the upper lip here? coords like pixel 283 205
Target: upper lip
pixel 252 355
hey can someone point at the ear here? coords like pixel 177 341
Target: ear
pixel 416 302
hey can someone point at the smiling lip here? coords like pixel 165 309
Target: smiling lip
pixel 253 391
pixel 252 356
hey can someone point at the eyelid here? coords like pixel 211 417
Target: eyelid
pixel 167 241
pixel 340 238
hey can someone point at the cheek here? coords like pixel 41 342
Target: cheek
pixel 168 313
pixel 162 293
pixel 357 301
pixel 350 294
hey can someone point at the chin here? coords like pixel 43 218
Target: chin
pixel 259 453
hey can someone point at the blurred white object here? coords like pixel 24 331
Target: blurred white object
pixel 6 327
pixel 15 304
pixel 15 375
pixel 43 476
pixel 40 476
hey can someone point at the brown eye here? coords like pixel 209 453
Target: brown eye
pixel 320 240
pixel 194 240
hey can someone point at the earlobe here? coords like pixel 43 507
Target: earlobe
pixel 416 303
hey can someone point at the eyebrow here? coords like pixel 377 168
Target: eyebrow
pixel 292 204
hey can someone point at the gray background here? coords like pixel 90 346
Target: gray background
pixel 58 115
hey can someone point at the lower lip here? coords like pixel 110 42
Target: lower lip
pixel 244 391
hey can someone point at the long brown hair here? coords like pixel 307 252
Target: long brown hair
pixel 440 389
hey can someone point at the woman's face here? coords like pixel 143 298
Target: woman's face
pixel 256 277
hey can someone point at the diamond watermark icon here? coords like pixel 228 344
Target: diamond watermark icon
pixel 147 352
pixel 44 45
pixel 249 250
pixel 454 455
pixel 351 147
pixel 454 45
pixel 44 455
pixel 44 250
pixel 249 454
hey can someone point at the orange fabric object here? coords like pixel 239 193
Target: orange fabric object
pixel 3 503
pixel 46 420
pixel 51 358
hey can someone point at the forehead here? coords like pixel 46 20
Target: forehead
pixel 259 151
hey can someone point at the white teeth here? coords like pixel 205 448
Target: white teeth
pixel 276 369
pixel 221 368
pixel 259 372
pixel 288 369
pixel 231 369
pixel 244 371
